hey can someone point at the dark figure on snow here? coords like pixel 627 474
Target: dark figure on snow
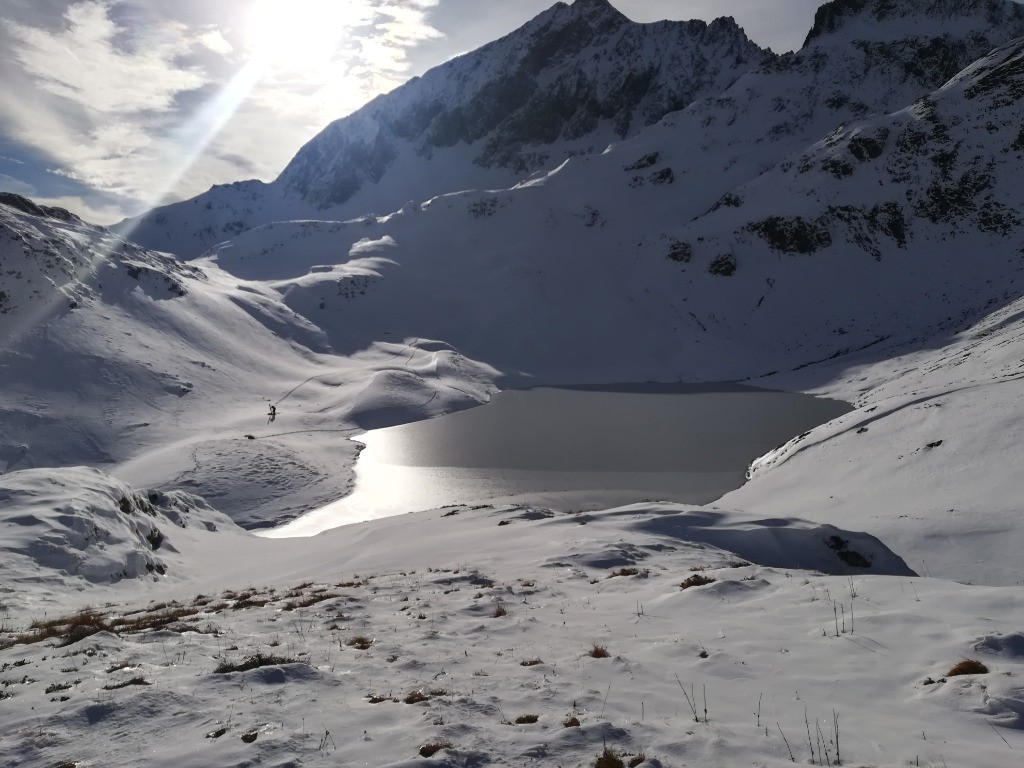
pixel 273 414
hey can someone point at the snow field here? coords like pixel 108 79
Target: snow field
pixel 494 634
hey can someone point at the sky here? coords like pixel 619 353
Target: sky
pixel 111 107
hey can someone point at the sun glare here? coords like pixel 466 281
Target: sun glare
pixel 301 33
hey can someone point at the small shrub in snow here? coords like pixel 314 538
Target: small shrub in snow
pixel 697 580
pixel 530 662
pixel 609 759
pixel 499 610
pixel 253 662
pixel 416 697
pixel 637 760
pixel 598 652
pixel 126 683
pixel 624 572
pixel 527 719
pixel 968 667
pixel 571 722
pixel 723 266
pixel 359 642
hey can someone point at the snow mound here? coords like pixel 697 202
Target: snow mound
pixel 776 542
pixel 84 524
pixel 1010 646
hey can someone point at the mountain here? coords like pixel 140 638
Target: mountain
pixel 569 82
pixel 844 221
pixel 579 77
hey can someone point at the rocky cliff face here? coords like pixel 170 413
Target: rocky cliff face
pixel 567 83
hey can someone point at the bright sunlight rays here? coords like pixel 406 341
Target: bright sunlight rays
pixel 301 33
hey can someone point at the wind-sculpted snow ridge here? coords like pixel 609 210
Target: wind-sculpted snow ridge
pixel 520 636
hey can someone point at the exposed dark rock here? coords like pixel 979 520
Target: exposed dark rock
pixel 792 235
pixel 679 250
pixel 723 266
pixel 869 147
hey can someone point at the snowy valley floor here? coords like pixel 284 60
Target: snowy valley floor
pixel 485 630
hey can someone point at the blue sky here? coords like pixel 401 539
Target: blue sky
pixel 112 107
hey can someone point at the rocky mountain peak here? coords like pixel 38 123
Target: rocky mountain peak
pixel 838 15
pixel 596 8
pixel 568 82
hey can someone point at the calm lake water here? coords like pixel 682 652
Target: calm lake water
pixel 581 448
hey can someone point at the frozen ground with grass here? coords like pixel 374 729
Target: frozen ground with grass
pixel 370 643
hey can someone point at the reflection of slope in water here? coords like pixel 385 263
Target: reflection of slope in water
pixel 571 449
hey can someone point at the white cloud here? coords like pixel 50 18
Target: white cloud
pixel 139 105
pixel 215 41
pixel 83 64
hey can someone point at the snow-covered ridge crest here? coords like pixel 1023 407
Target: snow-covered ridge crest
pixel 573 76
pixel 54 263
pixel 860 18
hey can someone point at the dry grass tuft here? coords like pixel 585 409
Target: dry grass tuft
pixel 530 662
pixel 126 683
pixel 608 759
pixel 968 667
pixel 499 610
pixel 253 662
pixel 527 719
pixel 697 580
pixel 571 722
pixel 598 652
pixel 637 760
pixel 416 697
pixel 305 602
pixel 359 642
pixel 624 572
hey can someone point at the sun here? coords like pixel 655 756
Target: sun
pixel 300 33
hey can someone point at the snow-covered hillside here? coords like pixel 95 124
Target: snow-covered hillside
pixel 117 356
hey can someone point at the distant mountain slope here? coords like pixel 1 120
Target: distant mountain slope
pixel 569 82
pixel 891 229
pixel 579 77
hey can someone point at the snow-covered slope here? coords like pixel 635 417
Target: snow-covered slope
pixel 518 637
pixel 76 528
pixel 120 357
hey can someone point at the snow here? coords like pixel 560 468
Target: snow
pixel 763 641
pixel 861 562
